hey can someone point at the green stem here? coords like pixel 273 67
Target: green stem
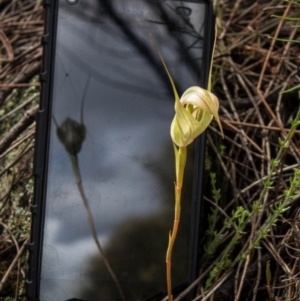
pixel 180 156
pixel 77 174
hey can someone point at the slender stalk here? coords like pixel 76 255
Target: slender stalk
pixel 181 121
pixel 180 156
pixel 75 166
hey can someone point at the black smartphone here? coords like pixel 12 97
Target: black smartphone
pixel 104 163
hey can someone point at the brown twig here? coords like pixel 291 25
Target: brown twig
pixel 20 127
pixel 19 254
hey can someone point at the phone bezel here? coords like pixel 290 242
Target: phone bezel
pixel 42 150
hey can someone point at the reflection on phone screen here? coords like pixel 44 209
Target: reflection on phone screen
pixel 111 158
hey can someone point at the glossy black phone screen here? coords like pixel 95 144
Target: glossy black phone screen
pixel 112 106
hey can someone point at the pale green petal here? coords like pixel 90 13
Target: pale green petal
pixel 201 98
pixel 181 127
pixel 203 124
pixel 185 128
pixel 204 100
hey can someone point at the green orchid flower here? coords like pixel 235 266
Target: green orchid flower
pixel 194 112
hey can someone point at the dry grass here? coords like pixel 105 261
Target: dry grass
pixel 21 28
pixel 251 70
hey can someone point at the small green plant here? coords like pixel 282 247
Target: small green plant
pixel 193 113
pixel 240 217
